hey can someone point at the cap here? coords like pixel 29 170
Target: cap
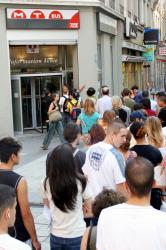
pixel 137 114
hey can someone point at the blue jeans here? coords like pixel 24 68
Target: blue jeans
pixel 58 243
pixel 65 119
pixel 53 126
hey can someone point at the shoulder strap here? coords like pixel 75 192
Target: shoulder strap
pixel 75 152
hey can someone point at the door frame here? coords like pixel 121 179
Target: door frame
pixel 19 76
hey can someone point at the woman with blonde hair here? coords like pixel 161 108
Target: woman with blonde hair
pixel 117 107
pixel 87 119
pixel 155 135
pixel 156 138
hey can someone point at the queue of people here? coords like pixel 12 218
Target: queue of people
pixel 108 196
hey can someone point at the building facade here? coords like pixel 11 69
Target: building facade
pixel 45 44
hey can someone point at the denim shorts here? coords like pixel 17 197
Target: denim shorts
pixel 58 243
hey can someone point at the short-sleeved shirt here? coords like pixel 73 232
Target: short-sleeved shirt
pixel 70 224
pixel 88 121
pixel 9 243
pixel 104 103
pixel 104 167
pixel 124 227
pixel 149 152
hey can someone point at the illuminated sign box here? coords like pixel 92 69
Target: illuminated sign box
pixel 151 36
pixel 42 19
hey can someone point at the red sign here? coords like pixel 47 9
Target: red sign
pixel 18 14
pixel 37 14
pixel 52 19
pixel 55 15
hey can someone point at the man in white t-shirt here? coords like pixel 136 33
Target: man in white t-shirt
pixel 104 165
pixel 104 103
pixel 135 224
pixel 7 219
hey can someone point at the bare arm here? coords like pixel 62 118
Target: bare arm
pixel 51 108
pixel 87 208
pixel 78 122
pixel 85 239
pixel 22 194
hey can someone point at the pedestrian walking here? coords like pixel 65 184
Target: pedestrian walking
pixel 106 198
pixel 104 103
pixel 54 125
pixel 135 224
pixel 63 105
pixel 104 165
pixel 117 107
pixel 64 190
pixel 7 219
pixel 24 227
pixel 108 117
pixel 87 119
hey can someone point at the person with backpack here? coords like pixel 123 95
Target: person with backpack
pixel 63 102
pixel 74 106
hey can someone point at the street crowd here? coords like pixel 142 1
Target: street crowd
pixel 108 194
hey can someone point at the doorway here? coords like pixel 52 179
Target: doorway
pixel 32 89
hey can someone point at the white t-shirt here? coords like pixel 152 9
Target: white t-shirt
pixel 9 243
pixel 71 224
pixel 62 100
pixel 129 227
pixel 164 131
pixel 153 105
pixel 103 168
pixel 104 103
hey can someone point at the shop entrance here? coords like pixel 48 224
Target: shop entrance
pixel 28 92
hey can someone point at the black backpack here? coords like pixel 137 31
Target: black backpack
pixel 67 100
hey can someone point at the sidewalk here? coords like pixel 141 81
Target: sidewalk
pixel 32 167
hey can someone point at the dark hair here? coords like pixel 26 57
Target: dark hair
pixel 97 134
pixel 138 130
pixel 8 146
pixel 126 146
pixel 134 87
pixel 7 197
pixel 105 90
pixel 139 175
pixel 160 93
pixel 146 103
pixel 71 132
pixel 62 178
pixel 138 106
pixel 126 92
pixel 106 198
pixel 162 116
pixel 145 93
pixel 74 93
pixel 91 91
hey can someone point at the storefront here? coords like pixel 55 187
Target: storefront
pixel 132 60
pixel 38 63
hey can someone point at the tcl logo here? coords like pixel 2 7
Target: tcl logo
pixel 55 15
pixel 37 14
pixel 18 14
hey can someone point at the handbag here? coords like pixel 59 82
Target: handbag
pixel 55 116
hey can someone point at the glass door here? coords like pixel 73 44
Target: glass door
pixel 33 90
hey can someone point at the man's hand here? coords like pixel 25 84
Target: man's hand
pixel 36 244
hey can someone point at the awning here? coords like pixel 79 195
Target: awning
pixel 42 37
pixel 128 58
